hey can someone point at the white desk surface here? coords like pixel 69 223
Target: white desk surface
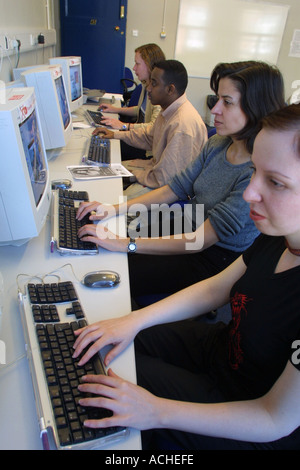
pixel 18 419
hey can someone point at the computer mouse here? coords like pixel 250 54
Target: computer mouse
pixel 61 184
pixel 101 279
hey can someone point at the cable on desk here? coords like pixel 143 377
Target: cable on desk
pixel 4 367
pixel 42 278
pixel 31 277
pixel 51 273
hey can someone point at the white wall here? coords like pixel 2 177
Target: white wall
pixel 146 17
pixel 21 19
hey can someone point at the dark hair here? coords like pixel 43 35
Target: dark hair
pixel 150 53
pixel 174 73
pixel 285 119
pixel 261 88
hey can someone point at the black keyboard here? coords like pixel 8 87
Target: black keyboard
pixel 62 372
pixel 94 117
pixel 98 152
pixel 68 225
pixel 43 298
pixel 52 293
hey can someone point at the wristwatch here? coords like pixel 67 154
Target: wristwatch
pixel 131 246
pixel 124 127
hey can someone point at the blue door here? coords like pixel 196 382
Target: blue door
pixel 96 31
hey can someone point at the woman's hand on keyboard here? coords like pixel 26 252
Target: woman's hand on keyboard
pixel 108 108
pixel 98 211
pixel 118 332
pixel 112 122
pixel 103 237
pixel 132 405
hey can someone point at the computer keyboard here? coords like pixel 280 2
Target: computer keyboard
pixel 51 293
pixel 98 151
pixel 94 118
pixel 65 226
pixel 50 344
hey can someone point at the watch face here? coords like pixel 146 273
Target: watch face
pixel 131 246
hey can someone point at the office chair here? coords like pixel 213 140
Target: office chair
pixel 211 101
pixel 212 131
pixel 129 85
pixel 135 96
pixel 133 101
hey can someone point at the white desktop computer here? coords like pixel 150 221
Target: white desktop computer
pixel 72 73
pixel 50 91
pixel 25 190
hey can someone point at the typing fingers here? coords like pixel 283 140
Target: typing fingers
pixel 85 208
pixel 89 229
pixel 87 336
pixel 103 132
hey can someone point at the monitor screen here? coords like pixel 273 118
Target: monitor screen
pixel 34 155
pixel 72 73
pixel 62 99
pixel 75 81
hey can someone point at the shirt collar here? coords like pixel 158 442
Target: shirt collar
pixel 174 106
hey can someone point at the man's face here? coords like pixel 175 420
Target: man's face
pixel 158 91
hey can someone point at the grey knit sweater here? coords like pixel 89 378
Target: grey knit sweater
pixel 213 181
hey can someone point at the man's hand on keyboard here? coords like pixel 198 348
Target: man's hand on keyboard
pixel 103 132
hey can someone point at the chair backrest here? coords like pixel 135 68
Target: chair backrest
pixel 211 132
pixel 128 73
pixel 129 85
pixel 128 79
pixel 135 95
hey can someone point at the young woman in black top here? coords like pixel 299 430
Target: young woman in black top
pixel 221 386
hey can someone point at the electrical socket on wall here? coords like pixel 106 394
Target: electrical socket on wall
pixel 26 41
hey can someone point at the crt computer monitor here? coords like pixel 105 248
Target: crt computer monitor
pixel 17 72
pixel 25 190
pixel 72 73
pixel 53 105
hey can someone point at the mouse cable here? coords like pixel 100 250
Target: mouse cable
pixel 4 367
pixel 42 278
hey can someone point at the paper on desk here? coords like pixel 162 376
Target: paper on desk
pixel 80 125
pixel 86 172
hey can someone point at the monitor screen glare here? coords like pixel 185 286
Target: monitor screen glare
pixel 62 101
pixel 75 81
pixel 34 155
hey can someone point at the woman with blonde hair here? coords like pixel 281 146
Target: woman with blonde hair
pixel 144 113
